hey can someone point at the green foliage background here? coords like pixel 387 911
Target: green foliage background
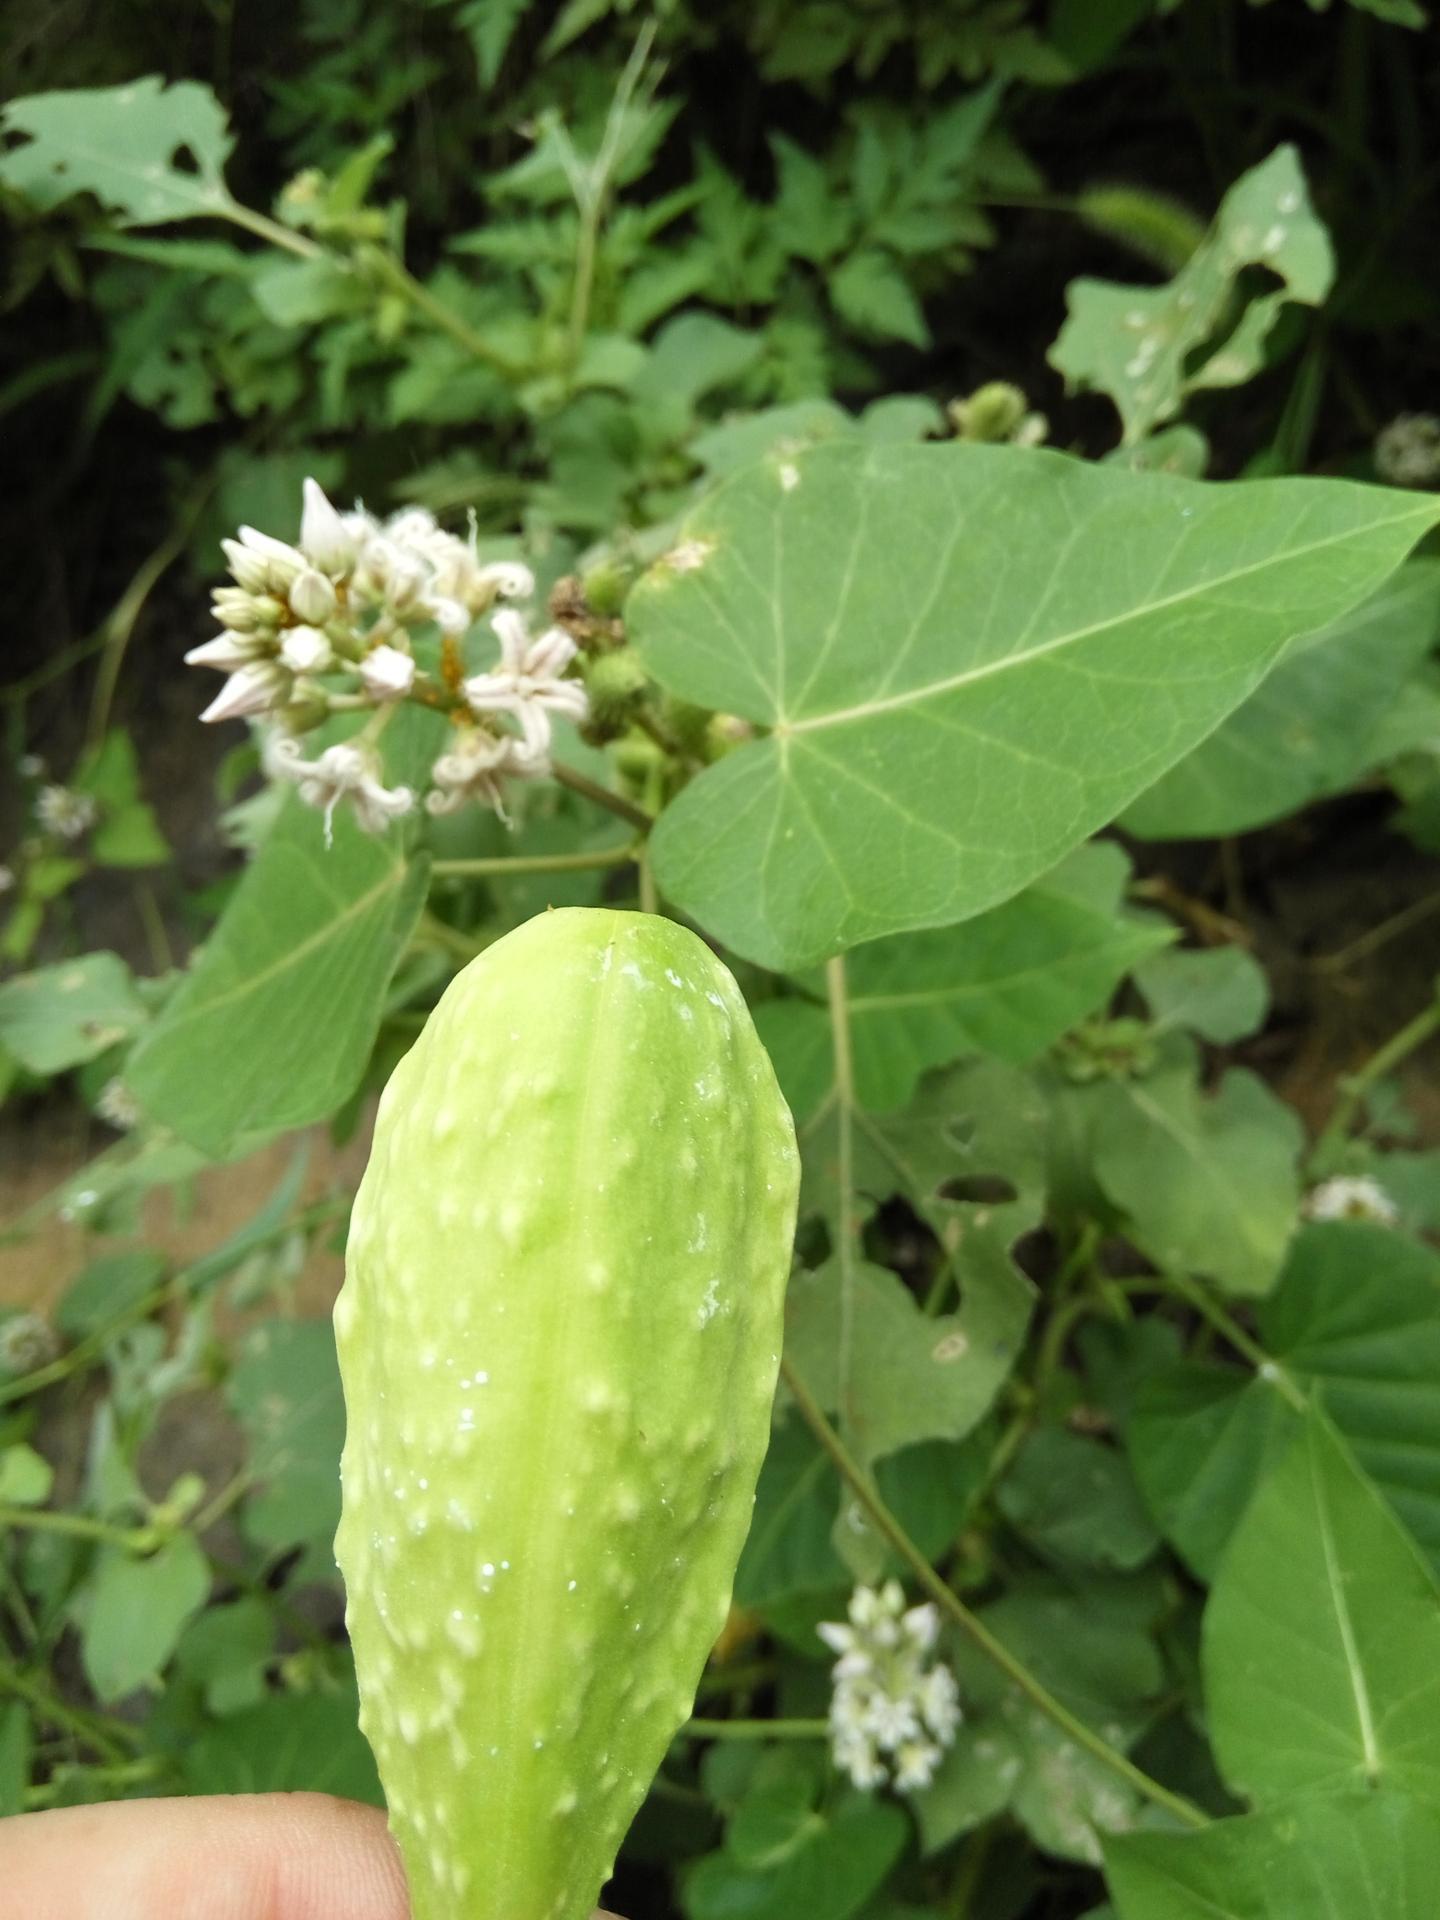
pixel 1056 801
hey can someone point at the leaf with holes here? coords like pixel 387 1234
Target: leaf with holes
pixel 126 145
pixel 963 660
pixel 1148 347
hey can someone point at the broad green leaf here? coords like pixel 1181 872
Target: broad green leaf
pixel 272 1026
pixel 788 1551
pixel 1007 983
pixel 291 1743
pixel 127 835
pixel 964 659
pixel 1199 1439
pixel 1221 993
pixel 909 1377
pixel 227 1651
pixel 1076 1502
pixel 1148 347
pixel 129 146
pixel 63 1015
pixel 845 1855
pixel 133 1611
pixel 26 1477
pixel 1311 729
pixel 1349 1856
pixel 1322 1637
pixel 106 1289
pixel 974 1783
pixel 285 1391
pixel 1354 1320
pixel 1208 1185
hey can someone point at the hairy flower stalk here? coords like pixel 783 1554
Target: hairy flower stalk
pixel 329 624
pixel 892 1713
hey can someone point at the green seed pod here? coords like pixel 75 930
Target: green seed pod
pixel 615 685
pixel 558 1337
pixel 689 725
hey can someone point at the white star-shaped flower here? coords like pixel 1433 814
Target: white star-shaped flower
pixel 526 682
pixel 345 772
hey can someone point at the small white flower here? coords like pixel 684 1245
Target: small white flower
pixel 283 563
pixel 246 566
pixel 233 607
pixel 258 687
pixel 915 1764
pixel 7 879
pixel 345 772
pixel 65 813
pixel 511 579
pixel 31 766
pixel 117 1105
pixel 476 768
pixel 227 651
pixel 306 650
pixel 329 540
pixel 386 673
pixel 312 597
pixel 1352 1197
pixel 1407 452
pixel 26 1342
pixel 526 682
pixel 891 1715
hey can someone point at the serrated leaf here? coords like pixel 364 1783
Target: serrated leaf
pixel 966 658
pixel 126 145
pixel 871 292
pixel 1356 1856
pixel 1140 344
pixel 288 990
pixel 63 1015
pixel 1322 1636
pixel 1311 729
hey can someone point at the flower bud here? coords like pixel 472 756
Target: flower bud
pixel 227 651
pixel 283 563
pixel 312 597
pixel 306 650
pixel 386 673
pixel 255 688
pixel 509 579
pixel 328 542
pixel 246 567
pixel 240 615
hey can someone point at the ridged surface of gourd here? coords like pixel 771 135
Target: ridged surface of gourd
pixel 559 1336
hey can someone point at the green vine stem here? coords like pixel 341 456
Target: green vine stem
pixel 536 863
pixel 971 1625
pixel 81 1527
pixel 615 803
pixel 1230 1330
pixel 839 1003
pixel 701 1729
pixel 1355 1087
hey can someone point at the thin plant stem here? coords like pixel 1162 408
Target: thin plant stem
pixel 1355 1087
pixel 971 1624
pixel 1231 1331
pixel 81 1526
pixel 615 803
pixel 593 190
pixel 700 1729
pixel 536 863
pixel 121 624
pixel 649 892
pixel 837 997
pixel 1378 937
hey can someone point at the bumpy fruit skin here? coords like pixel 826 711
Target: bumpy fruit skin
pixel 559 1336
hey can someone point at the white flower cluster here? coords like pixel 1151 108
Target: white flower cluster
pixel 1407 451
pixel 892 1714
pixel 345 601
pixel 1352 1196
pixel 64 812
